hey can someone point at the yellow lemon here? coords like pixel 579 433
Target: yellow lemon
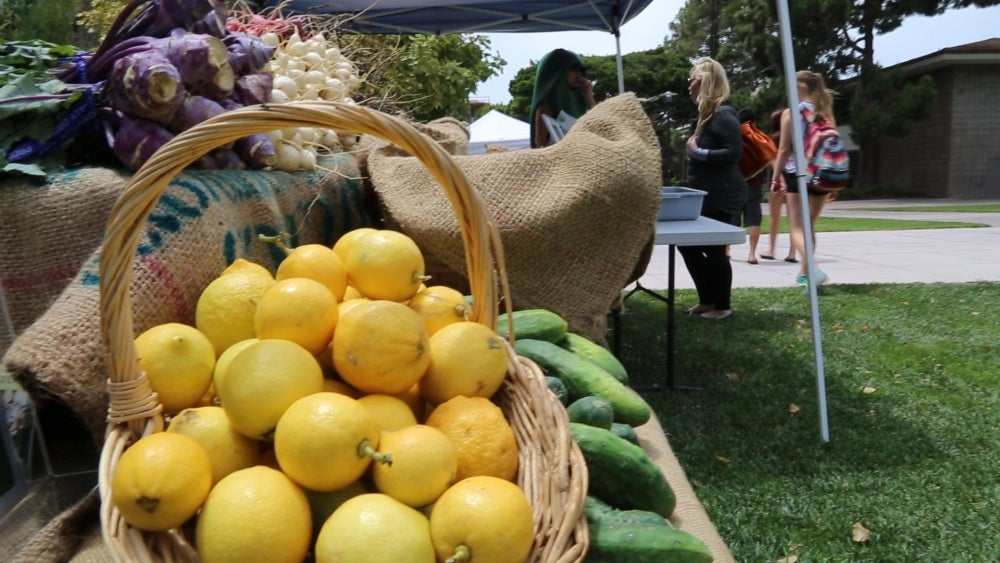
pixel 323 504
pixel 262 381
pixel 337 386
pixel 160 481
pixel 325 441
pixel 351 294
pixel 316 262
pixel 439 306
pixel 374 527
pixel 482 519
pixel 416 403
pixel 424 464
pixel 178 360
pixel 467 358
pixel 227 449
pixel 226 307
pixel 388 412
pixel 298 309
pixel 349 304
pixel 244 265
pixel 254 514
pixel 381 347
pixel 222 364
pixel 346 241
pixel 482 436
pixel 385 265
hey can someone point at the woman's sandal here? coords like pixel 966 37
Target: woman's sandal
pixel 767 257
pixel 717 315
pixel 699 309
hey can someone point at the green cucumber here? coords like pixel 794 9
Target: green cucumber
pixel 623 430
pixel 558 388
pixel 592 410
pixel 583 377
pixel 621 473
pixel 612 542
pixel 585 348
pixel 597 511
pixel 536 324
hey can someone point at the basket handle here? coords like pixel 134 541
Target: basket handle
pixel 480 236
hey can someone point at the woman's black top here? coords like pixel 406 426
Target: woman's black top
pixel 715 167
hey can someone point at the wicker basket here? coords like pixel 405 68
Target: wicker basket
pixel 552 472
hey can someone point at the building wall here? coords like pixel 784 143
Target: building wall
pixel 955 152
pixel 974 171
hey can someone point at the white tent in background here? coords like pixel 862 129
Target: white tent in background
pixel 496 128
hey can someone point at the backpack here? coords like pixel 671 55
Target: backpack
pixel 827 163
pixel 758 150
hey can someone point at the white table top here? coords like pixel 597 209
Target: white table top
pixel 698 232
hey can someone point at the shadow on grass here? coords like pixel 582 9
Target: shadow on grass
pixel 757 407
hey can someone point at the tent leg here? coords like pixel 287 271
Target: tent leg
pixel 618 61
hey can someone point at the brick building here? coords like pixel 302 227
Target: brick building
pixel 956 152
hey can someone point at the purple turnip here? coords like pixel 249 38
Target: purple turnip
pixel 136 140
pixel 257 151
pixel 146 85
pixel 252 89
pixel 203 62
pixel 247 53
pixel 193 111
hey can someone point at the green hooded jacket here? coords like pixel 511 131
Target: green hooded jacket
pixel 551 86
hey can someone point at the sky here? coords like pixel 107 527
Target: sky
pixel 918 36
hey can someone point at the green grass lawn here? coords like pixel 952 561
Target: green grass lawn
pixel 841 224
pixel 914 411
pixel 956 208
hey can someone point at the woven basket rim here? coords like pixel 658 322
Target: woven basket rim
pixel 559 475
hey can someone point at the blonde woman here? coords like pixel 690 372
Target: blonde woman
pixel 814 95
pixel 713 166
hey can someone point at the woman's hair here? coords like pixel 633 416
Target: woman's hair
pixel 822 97
pixel 714 88
pixel 776 126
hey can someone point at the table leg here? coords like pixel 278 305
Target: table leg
pixel 670 316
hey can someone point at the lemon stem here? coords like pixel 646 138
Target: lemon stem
pixel 461 553
pixel 278 240
pixel 417 278
pixel 365 449
pixel 148 505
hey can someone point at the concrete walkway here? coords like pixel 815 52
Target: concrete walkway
pixel 908 256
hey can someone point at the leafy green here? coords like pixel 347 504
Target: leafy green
pixel 24 57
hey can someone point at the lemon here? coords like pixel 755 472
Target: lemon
pixel 346 241
pixel 244 265
pixel 262 381
pixel 374 527
pixel 467 358
pixel 325 441
pixel 222 363
pixel 322 504
pixel 439 306
pixel 416 403
pixel 385 265
pixel 483 438
pixel 482 519
pixel 298 309
pixel 178 360
pixel 316 262
pixel 160 481
pixel 351 294
pixel 336 386
pixel 381 347
pixel 226 307
pixel 254 514
pixel 388 412
pixel 227 449
pixel 349 304
pixel 424 464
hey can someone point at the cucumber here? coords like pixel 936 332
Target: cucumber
pixel 536 324
pixel 583 377
pixel 585 348
pixel 623 430
pixel 612 542
pixel 621 473
pixel 558 388
pixel 597 511
pixel 592 410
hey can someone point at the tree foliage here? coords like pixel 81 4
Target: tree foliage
pixel 46 20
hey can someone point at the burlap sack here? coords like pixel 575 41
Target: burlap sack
pixel 203 221
pixel 575 217
pixel 48 229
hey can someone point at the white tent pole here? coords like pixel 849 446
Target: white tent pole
pixel 788 56
pixel 618 60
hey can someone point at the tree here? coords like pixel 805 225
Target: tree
pixel 48 20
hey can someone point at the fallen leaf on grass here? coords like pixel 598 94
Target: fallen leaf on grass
pixel 860 534
pixel 867 390
pixel 721 459
pixel 794 409
pixel 975 313
pixel 789 559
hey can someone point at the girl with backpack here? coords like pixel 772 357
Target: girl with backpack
pixel 817 101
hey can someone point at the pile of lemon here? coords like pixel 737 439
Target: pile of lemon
pixel 339 409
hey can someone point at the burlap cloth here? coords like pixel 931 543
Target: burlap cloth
pixel 575 218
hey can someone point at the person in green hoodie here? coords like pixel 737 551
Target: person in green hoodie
pixel 560 85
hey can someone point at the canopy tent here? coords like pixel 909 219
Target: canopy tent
pixel 479 16
pixel 496 128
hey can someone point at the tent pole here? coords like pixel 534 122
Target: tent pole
pixel 618 61
pixel 788 57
